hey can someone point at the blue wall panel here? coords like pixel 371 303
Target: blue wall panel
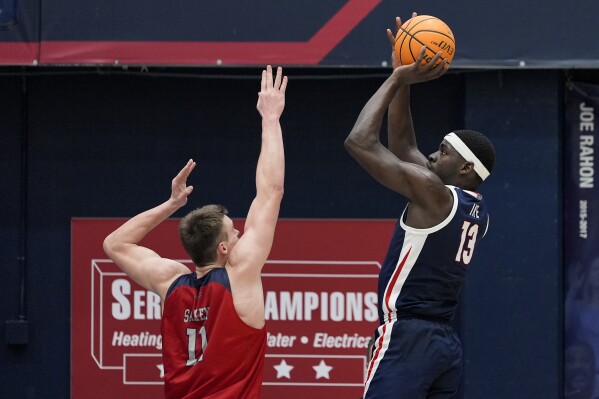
pixel 107 145
pixel 510 34
pixel 512 317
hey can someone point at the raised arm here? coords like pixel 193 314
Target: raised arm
pixel 400 128
pixel 363 142
pixel 424 189
pixel 253 247
pixel 141 264
pixel 251 251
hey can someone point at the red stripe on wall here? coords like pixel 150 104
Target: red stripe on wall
pixel 213 53
pixel 19 53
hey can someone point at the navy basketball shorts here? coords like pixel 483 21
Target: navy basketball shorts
pixel 414 358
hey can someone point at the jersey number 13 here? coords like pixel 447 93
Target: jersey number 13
pixel 468 240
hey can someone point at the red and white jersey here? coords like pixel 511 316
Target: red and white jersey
pixel 208 351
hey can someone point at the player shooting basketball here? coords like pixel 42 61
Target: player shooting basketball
pixel 213 325
pixel 417 353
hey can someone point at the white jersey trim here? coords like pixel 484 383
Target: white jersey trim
pixel 438 227
pixel 414 240
pixel 380 347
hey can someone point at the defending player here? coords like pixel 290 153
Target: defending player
pixel 417 353
pixel 213 326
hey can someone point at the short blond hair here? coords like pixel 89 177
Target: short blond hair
pixel 201 230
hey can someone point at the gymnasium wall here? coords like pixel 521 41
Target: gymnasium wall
pixel 513 34
pixel 107 142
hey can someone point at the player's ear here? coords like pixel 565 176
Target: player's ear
pixel 467 167
pixel 222 248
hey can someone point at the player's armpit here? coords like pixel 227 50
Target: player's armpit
pixel 145 266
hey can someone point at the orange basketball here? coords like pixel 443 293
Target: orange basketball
pixel 424 30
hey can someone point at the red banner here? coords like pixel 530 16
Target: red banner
pixel 320 297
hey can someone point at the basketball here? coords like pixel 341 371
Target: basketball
pixel 424 30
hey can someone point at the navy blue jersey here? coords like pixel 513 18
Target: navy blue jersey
pixel 417 353
pixel 423 271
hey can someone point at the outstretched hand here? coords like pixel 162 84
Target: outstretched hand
pixel 432 69
pixel 416 72
pixel 271 99
pixel 179 188
pixel 395 61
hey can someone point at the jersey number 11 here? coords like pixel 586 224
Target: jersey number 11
pixel 192 334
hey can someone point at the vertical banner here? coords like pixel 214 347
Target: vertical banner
pixel 581 246
pixel 320 301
